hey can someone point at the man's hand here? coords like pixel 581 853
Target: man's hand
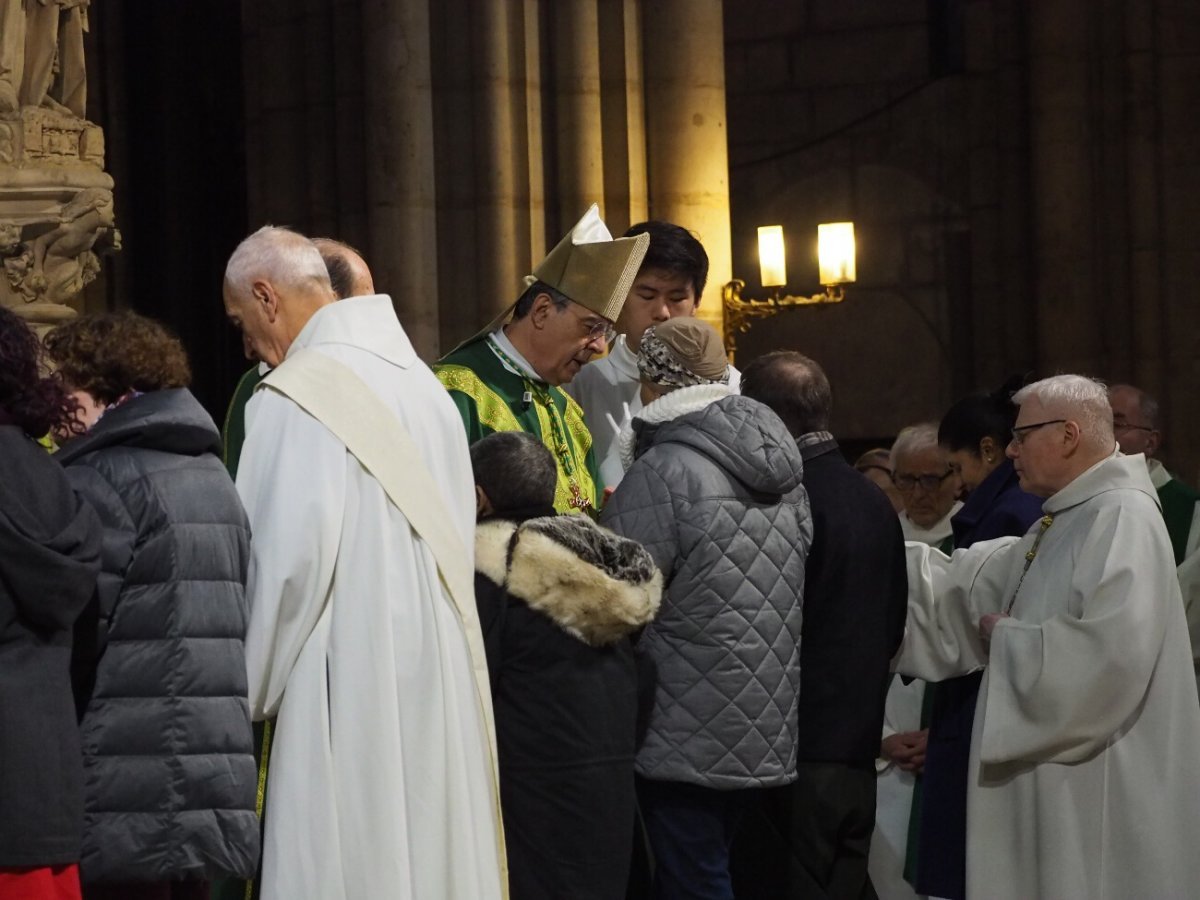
pixel 906 749
pixel 988 624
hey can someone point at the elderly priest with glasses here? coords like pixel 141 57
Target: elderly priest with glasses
pixel 509 376
pixel 1082 774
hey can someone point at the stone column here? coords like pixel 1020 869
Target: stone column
pixel 401 197
pixel 578 131
pixel 686 141
pixel 623 113
pixel 1061 171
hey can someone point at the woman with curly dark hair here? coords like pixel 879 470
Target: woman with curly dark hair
pixel 169 775
pixel 49 558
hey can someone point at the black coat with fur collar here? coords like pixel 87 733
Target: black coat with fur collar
pixel 558 598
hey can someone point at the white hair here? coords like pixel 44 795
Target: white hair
pixel 279 255
pixel 1083 399
pixel 914 439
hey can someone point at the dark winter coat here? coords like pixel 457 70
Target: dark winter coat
pixel 855 604
pixel 715 495
pixel 49 557
pixel 996 508
pixel 558 597
pixel 161 676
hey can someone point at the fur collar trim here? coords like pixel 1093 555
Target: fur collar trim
pixel 667 407
pixel 595 585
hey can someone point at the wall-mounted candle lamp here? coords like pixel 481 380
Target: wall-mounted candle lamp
pixel 836 259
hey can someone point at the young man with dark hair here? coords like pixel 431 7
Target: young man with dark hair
pixel 669 284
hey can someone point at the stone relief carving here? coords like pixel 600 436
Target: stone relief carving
pixel 56 202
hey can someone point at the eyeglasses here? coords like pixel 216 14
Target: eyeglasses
pixel 601 329
pixel 1021 432
pixel 1125 426
pixel 928 483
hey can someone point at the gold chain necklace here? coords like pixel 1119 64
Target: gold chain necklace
pixel 1047 521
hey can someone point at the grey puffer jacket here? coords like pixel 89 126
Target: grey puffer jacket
pixel 714 494
pixel 160 671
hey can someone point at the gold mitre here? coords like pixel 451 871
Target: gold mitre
pixel 591 268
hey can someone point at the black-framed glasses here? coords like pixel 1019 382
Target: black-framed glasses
pixel 928 483
pixel 1020 432
pixel 1127 426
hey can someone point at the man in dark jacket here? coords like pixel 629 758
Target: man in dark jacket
pixel 558 597
pixel 812 838
pixel 714 493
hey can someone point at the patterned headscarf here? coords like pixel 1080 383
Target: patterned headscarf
pixel 682 352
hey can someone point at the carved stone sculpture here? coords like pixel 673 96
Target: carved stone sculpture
pixel 56 202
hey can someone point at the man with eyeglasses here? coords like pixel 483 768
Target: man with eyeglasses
pixel 1082 780
pixel 509 376
pixel 925 481
pixel 1135 421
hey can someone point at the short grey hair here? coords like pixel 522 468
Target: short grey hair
pixel 279 255
pixel 914 439
pixel 1078 397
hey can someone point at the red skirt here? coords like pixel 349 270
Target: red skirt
pixel 41 883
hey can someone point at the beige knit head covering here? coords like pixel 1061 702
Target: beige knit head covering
pixel 681 352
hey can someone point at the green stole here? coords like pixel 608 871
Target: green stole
pixel 1178 507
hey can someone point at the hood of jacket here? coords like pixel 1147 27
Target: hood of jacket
pixel 172 421
pixel 51 547
pixel 744 437
pixel 593 584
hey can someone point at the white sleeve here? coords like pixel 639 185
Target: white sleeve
pixel 292 481
pixel 947 596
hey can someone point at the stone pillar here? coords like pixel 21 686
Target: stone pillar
pixel 623 112
pixel 686 141
pixel 501 169
pixel 1062 201
pixel 578 132
pixel 401 197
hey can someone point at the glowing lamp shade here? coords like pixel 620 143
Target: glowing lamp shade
pixel 835 252
pixel 771 260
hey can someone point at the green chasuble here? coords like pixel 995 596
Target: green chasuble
pixel 492 396
pixel 234 433
pixel 1178 507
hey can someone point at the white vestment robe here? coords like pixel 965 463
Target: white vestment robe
pixel 609 391
pixel 380 773
pixel 1082 778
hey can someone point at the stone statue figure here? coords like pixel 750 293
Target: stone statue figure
pixel 57 264
pixel 56 200
pixel 38 38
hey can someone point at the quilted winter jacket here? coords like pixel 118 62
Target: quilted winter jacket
pixel 169 772
pixel 714 493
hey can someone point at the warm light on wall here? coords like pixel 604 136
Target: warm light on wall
pixel 836 260
pixel 835 252
pixel 772 261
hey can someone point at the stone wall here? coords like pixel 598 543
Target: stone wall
pixel 1023 179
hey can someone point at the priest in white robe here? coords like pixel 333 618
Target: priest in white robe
pixel 1082 775
pixel 381 778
